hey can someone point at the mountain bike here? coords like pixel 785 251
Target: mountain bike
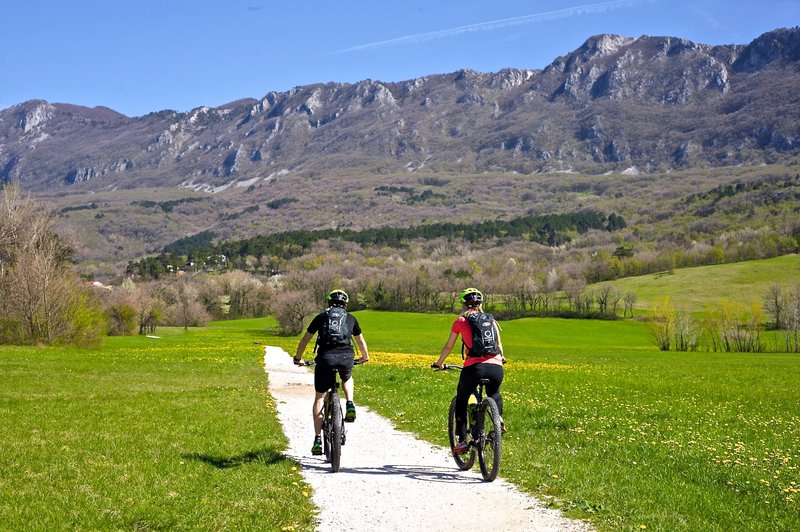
pixel 484 431
pixel 334 434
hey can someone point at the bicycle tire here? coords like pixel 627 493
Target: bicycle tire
pixel 337 422
pixel 326 428
pixel 463 461
pixel 490 440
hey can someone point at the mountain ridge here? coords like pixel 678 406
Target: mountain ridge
pixel 566 116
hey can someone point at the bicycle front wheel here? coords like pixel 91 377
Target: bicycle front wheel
pixel 490 439
pixel 326 428
pixel 463 461
pixel 336 422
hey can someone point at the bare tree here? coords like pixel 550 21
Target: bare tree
pixel 792 327
pixel 190 312
pixel 574 292
pixel 40 290
pixel 630 300
pixel 603 294
pixel 291 310
pixel 662 325
pixel 775 305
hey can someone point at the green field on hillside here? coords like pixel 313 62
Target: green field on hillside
pixel 178 432
pixel 693 289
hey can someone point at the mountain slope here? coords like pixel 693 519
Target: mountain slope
pixel 652 102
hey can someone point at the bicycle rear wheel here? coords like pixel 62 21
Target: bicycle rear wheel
pixel 463 461
pixel 336 422
pixel 490 439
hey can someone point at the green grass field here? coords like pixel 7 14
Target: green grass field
pixel 145 434
pixel 179 432
pixel 693 289
pixel 608 428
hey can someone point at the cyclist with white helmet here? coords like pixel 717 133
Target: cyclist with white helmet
pixel 483 358
pixel 335 330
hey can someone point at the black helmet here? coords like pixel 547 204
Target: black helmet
pixel 338 298
pixel 471 297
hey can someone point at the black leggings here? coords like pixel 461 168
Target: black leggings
pixel 468 383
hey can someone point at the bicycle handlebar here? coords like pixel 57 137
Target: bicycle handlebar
pixel 446 367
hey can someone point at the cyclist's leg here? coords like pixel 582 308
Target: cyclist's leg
pixel 348 386
pixel 466 386
pixel 323 380
pixel 319 400
pixel 495 373
pixel 344 365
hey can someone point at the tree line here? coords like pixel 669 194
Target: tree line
pixel 731 326
pixel 44 301
pixel 197 253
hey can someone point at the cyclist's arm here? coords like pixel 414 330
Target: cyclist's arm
pixel 362 348
pixel 301 347
pixel 499 342
pixel 447 349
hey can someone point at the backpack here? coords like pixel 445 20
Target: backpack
pixel 484 339
pixel 334 332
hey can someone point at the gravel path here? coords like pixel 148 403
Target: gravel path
pixel 390 480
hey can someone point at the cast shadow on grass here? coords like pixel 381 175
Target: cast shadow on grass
pixel 266 456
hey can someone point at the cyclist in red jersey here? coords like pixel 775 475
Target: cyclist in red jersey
pixel 484 361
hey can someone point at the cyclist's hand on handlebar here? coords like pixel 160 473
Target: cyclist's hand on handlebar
pixel 362 360
pixel 437 366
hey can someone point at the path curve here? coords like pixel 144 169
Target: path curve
pixel 390 480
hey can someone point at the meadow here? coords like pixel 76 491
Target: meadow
pixel 608 428
pixel 179 432
pixel 176 432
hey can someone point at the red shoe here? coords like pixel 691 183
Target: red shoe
pixel 462 447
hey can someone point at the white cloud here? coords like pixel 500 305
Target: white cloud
pixel 586 9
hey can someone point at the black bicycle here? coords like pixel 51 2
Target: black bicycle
pixel 334 434
pixel 484 431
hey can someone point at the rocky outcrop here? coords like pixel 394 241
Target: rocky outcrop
pixel 780 46
pixel 34 115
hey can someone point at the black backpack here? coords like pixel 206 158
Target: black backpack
pixel 334 332
pixel 484 338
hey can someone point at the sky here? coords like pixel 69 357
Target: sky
pixel 144 56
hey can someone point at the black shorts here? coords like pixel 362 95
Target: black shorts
pixel 326 364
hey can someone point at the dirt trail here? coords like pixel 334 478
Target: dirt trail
pixel 390 480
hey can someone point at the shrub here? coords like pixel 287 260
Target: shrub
pixel 121 319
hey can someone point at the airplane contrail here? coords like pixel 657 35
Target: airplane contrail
pixel 495 24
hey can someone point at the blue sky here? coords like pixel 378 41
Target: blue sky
pixel 149 55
